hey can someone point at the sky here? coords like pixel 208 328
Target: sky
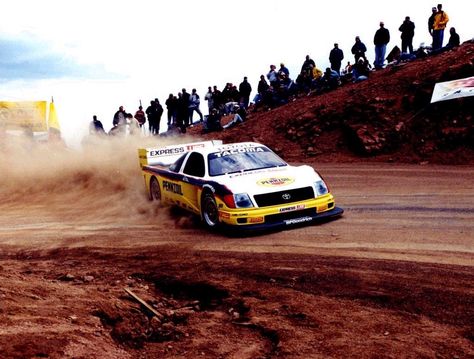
pixel 94 56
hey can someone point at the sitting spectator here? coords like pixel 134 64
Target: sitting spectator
pixel 96 127
pixel 330 80
pixel 361 70
pixel 454 40
pixel 212 122
pixel 239 116
pixel 306 64
pixel 284 70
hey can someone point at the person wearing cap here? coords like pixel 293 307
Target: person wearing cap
pixel 381 39
pixel 440 21
pixel 335 58
pixel 434 10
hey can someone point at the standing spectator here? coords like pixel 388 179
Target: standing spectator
pixel 434 10
pixel 408 31
pixel 209 98
pixel 335 58
pixel 306 64
pixel 171 110
pixel 440 21
pixel 182 115
pixel 381 39
pixel 272 76
pixel 185 99
pixel 194 103
pixel 217 99
pixel 358 49
pixel 245 89
pixel 119 117
pixel 454 39
pixel 140 116
pixel 151 115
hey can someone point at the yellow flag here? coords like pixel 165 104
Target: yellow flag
pixel 53 117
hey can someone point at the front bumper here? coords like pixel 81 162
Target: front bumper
pixel 317 209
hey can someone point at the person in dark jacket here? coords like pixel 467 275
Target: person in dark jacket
pixel 335 58
pixel 358 49
pixel 245 89
pixel 381 39
pixel 408 31
pixel 454 39
pixel 431 20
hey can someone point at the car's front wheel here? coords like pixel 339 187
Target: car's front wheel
pixel 210 213
pixel 155 191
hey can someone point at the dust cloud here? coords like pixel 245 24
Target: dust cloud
pixel 99 183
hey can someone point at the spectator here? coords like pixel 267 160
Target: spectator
pixel 307 62
pixel 213 122
pixel 440 21
pixel 194 103
pixel 185 100
pixel 140 116
pixel 157 112
pixel 381 39
pixel 284 70
pixel 170 104
pixel 358 49
pixel 335 58
pixel 272 76
pixel 454 39
pixel 239 116
pixel 330 80
pixel 217 98
pixel 245 89
pixel 208 97
pixel 431 20
pixel 119 117
pixel 361 70
pixel 96 127
pixel 408 31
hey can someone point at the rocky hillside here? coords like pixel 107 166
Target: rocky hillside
pixel 386 118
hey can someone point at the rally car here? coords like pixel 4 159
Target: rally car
pixel 245 185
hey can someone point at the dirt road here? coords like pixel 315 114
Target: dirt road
pixel 393 278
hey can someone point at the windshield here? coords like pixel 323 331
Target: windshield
pixel 242 159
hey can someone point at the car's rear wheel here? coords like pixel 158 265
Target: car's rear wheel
pixel 210 213
pixel 155 191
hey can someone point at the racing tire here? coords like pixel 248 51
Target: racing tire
pixel 155 190
pixel 209 210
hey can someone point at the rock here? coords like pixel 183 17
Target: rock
pixel 88 278
pixel 67 277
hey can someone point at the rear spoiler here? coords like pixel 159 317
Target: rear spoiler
pixel 167 155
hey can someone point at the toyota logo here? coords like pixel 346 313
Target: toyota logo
pixel 286 196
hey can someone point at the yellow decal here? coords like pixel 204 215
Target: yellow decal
pixel 275 181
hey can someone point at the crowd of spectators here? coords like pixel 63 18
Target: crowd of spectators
pixel 277 88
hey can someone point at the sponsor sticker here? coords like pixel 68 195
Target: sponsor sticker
pixel 172 187
pixel 275 181
pixel 298 220
pixel 166 151
pixel 292 208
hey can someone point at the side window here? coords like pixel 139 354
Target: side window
pixel 195 165
pixel 175 167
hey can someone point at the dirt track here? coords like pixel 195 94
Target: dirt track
pixel 393 278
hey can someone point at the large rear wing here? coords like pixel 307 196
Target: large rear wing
pixel 165 156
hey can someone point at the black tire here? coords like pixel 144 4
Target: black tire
pixel 209 211
pixel 155 190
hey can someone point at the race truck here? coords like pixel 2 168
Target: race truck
pixel 244 185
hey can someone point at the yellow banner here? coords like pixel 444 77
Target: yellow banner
pixel 30 115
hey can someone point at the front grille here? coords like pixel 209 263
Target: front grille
pixel 284 197
pixel 279 217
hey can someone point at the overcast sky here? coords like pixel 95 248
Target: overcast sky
pixel 93 56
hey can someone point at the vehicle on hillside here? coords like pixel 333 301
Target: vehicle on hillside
pixel 244 185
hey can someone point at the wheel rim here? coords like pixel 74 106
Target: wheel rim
pixel 155 190
pixel 210 212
